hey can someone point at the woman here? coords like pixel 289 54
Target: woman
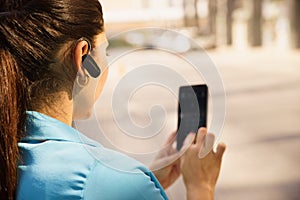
pixel 47 80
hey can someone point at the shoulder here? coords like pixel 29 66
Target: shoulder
pixel 117 176
pixel 66 169
pixel 58 162
pixel 121 177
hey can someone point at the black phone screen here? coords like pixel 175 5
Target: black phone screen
pixel 192 111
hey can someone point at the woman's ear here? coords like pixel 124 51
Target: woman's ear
pixel 81 49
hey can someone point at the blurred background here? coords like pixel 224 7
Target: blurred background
pixel 238 23
pixel 255 46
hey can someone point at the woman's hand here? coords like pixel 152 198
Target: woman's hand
pixel 200 166
pixel 166 165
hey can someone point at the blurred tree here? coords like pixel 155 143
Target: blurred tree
pixel 191 18
pixel 255 24
pixel 294 6
pixel 212 18
pixel 229 20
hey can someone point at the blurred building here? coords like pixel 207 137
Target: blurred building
pixel 124 15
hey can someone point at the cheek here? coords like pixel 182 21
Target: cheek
pixel 101 83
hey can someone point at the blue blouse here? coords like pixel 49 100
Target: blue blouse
pixel 58 162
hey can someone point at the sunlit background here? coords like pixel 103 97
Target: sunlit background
pixel 255 46
pixel 240 23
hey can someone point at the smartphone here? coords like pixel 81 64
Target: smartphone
pixel 192 111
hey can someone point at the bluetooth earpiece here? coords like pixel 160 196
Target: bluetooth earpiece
pixel 90 64
pixel 86 85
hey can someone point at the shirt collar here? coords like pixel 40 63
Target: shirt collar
pixel 40 127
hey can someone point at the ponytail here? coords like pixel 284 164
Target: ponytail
pixel 12 121
pixel 34 36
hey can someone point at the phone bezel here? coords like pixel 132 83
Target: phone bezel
pixel 201 92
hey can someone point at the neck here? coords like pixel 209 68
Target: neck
pixel 60 109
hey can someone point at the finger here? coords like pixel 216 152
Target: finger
pixel 220 150
pixel 165 162
pixel 170 159
pixel 166 151
pixel 171 138
pixel 172 151
pixel 188 142
pixel 175 172
pixel 178 164
pixel 168 145
pixel 201 137
pixel 209 141
pixel 207 146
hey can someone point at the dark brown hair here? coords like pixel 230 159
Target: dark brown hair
pixel 32 33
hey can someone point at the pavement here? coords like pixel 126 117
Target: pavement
pixel 262 125
pixel 261 129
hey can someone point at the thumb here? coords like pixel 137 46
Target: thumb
pixel 220 150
